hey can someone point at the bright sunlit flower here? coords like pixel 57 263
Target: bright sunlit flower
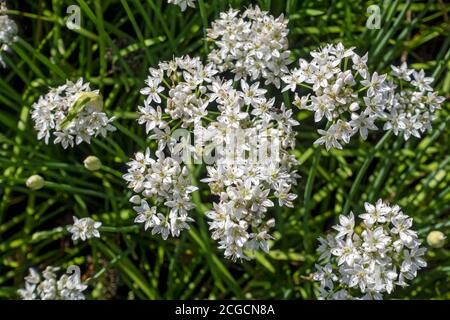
pixel 252 44
pixel 218 112
pixel 183 4
pixel 353 100
pixel 8 32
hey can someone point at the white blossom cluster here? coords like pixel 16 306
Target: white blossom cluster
pixel 84 228
pixel 337 85
pixel 413 105
pixel 8 32
pixel 367 260
pixel 252 44
pixel 243 178
pixel 181 83
pixel 178 87
pixel 183 4
pixel 72 113
pixel 49 287
pixel 185 93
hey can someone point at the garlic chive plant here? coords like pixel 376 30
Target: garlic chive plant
pixel 71 114
pixel 49 286
pixel 337 86
pixel 369 259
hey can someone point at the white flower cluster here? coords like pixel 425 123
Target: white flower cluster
pixel 336 84
pixel 84 228
pixel 8 32
pixel 190 94
pixel 183 4
pixel 246 176
pixel 370 259
pixel 72 113
pixel 166 182
pixel 252 44
pixel 50 287
pixel 413 104
pixel 182 83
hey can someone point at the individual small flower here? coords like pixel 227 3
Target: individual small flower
pixel 49 287
pixel 72 114
pixel 146 215
pixel 183 4
pixel 252 44
pixel 436 239
pixel 84 229
pixel 92 163
pixel 35 182
pixel 365 264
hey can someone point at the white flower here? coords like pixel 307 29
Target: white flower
pixel 84 229
pixel 151 117
pixel 92 163
pixel 363 122
pixel 35 182
pixel 146 215
pixel 402 72
pixel 375 240
pixel 366 265
pixel 153 90
pixel 252 44
pixel 8 32
pixel 345 251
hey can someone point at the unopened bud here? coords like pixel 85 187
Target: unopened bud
pixel 92 163
pixel 436 239
pixel 35 182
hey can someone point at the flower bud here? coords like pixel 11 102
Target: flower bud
pixel 436 239
pixel 135 199
pixel 92 163
pixel 35 182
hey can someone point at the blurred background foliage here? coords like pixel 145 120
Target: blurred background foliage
pixel 118 41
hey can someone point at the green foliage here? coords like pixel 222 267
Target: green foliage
pixel 118 41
